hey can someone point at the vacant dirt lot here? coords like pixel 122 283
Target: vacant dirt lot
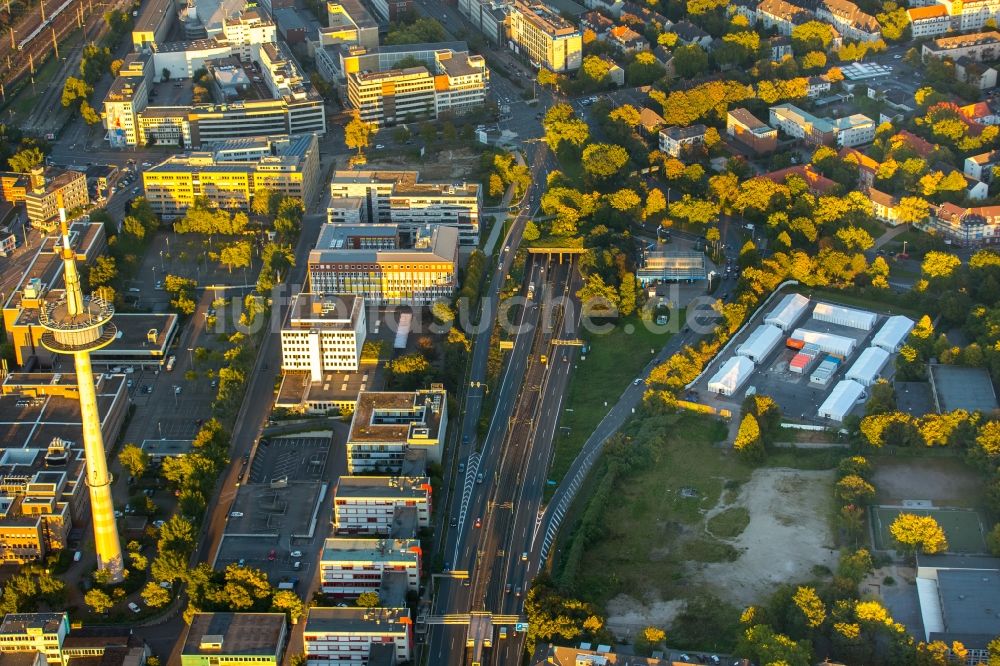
pixel 944 481
pixel 627 616
pixel 787 536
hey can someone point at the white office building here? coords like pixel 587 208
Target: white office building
pixel 349 567
pixel 323 333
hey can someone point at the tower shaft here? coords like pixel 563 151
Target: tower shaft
pixel 106 543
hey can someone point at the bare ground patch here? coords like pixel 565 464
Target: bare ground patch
pixel 946 481
pixel 786 537
pixel 628 615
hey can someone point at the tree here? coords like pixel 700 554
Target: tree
pixel 531 231
pixel 286 601
pixel 368 600
pixel 177 534
pixel 236 255
pixel 155 596
pixel 98 600
pixel 75 90
pixel 655 203
pixel 748 442
pixel 810 605
pixel 169 566
pixel 624 200
pixel 853 489
pixel 988 440
pixel 921 533
pixel 939 264
pixel 595 68
pixel 358 133
pixel 762 644
pixel 626 114
pixel 23 161
pixel 993 540
pixel 563 126
pixel 690 61
pixel 133 459
pixel 627 291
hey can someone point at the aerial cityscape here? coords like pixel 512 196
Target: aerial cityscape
pixel 499 332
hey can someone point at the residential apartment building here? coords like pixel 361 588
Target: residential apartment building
pixel 456 84
pixel 968 227
pixel 849 20
pixel 854 130
pixel 971 14
pixel 544 36
pixel 849 131
pixel 676 140
pixel 626 40
pixel 226 179
pixel 35 632
pixel 816 86
pixel 345 261
pixel 235 639
pixel 41 190
pixel 357 636
pixel 929 21
pixel 751 132
pixel 980 167
pixel 348 567
pixel 323 333
pixel 867 167
pixel 885 207
pixel 368 505
pixel 781 15
pixel 402 199
pixel 979 47
pixel 387 424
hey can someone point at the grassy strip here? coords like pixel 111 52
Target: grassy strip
pixel 613 360
pixel 881 302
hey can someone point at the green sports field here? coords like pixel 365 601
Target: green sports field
pixel 964 528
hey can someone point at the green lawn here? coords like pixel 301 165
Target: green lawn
pixel 652 528
pixel 612 362
pixel 730 523
pixel 888 304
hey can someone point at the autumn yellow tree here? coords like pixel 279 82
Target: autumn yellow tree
pixel 921 533
pixel 748 442
pixel 810 605
pixel 939 264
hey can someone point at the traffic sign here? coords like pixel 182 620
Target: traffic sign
pixel 521 626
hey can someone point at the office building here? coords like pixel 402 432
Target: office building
pixel 455 83
pixel 154 23
pixel 848 131
pixel 854 130
pixel 370 261
pixel 354 636
pixel 235 639
pixel 490 17
pixel 402 199
pixel 256 89
pixel 545 37
pixel 978 47
pixel 349 24
pixel 323 333
pixel 367 505
pixel 230 175
pixel 348 567
pixel 35 632
pixel 40 190
pixel 751 132
pixel 387 424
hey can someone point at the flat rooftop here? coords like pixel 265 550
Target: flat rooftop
pixel 32 421
pixel 340 388
pixel 152 14
pixel 19 623
pixel 383 487
pixel 245 634
pixel 357 620
pixel 333 311
pixel 403 182
pixel 345 549
pixel 963 388
pixel 391 416
pixel 970 601
pixel 335 246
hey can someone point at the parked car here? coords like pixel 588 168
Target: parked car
pixel 134 607
pixel 236 514
pixel 296 553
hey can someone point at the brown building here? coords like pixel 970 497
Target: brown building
pixel 745 128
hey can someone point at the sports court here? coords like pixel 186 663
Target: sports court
pixel 964 528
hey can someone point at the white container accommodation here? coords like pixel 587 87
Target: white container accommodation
pixel 837 345
pixel 842 399
pixel 838 314
pixel 788 311
pixel 760 343
pixel 731 376
pixel 893 333
pixel 868 367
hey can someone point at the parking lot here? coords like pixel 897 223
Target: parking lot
pixel 277 519
pixel 798 397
